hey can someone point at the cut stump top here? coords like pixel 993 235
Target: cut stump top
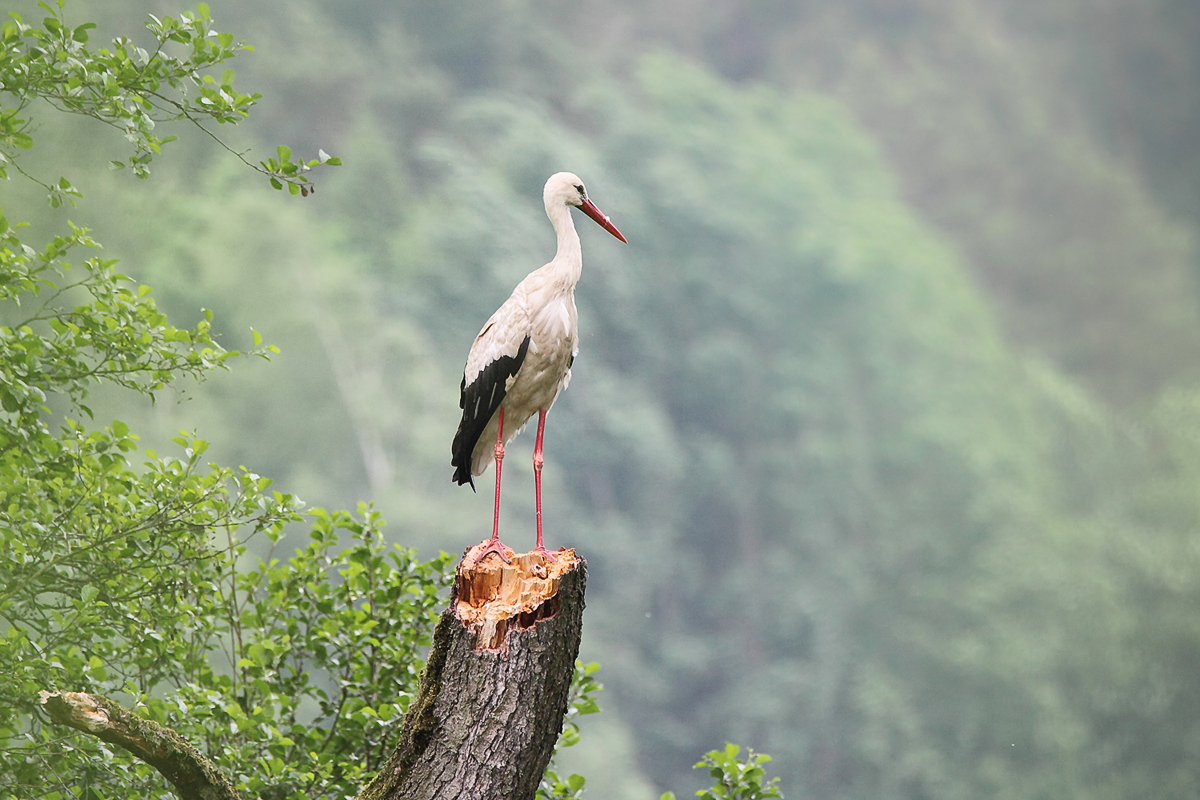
pixel 492 597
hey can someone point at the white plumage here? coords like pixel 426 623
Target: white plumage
pixel 521 359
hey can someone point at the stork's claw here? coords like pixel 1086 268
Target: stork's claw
pixel 546 554
pixel 493 546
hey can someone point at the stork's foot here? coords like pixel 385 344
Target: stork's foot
pixel 494 545
pixel 544 553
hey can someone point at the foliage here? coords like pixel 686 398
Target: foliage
pixel 737 779
pixel 131 88
pixel 326 649
pixel 114 333
pixel 95 551
pixel 122 578
pixel 325 652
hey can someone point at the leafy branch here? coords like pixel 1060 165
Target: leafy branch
pixel 130 88
pixel 736 778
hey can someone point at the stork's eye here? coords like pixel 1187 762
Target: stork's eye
pixel 579 186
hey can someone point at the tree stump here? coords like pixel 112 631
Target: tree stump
pixel 494 691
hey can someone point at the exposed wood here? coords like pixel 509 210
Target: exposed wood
pixel 495 689
pixel 193 776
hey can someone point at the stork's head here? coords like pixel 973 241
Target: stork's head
pixel 565 188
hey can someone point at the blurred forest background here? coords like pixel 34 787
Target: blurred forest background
pixel 883 445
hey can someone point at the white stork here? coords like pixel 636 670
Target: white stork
pixel 522 358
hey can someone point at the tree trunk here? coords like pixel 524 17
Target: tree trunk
pixel 495 689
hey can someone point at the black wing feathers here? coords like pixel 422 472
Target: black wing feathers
pixel 479 402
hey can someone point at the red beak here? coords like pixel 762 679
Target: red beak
pixel 590 209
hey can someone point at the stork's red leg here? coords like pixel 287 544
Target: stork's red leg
pixel 537 482
pixel 494 545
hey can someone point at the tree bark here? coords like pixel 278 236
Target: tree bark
pixel 193 776
pixel 494 691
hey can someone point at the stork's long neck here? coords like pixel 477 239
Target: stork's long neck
pixel 568 261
